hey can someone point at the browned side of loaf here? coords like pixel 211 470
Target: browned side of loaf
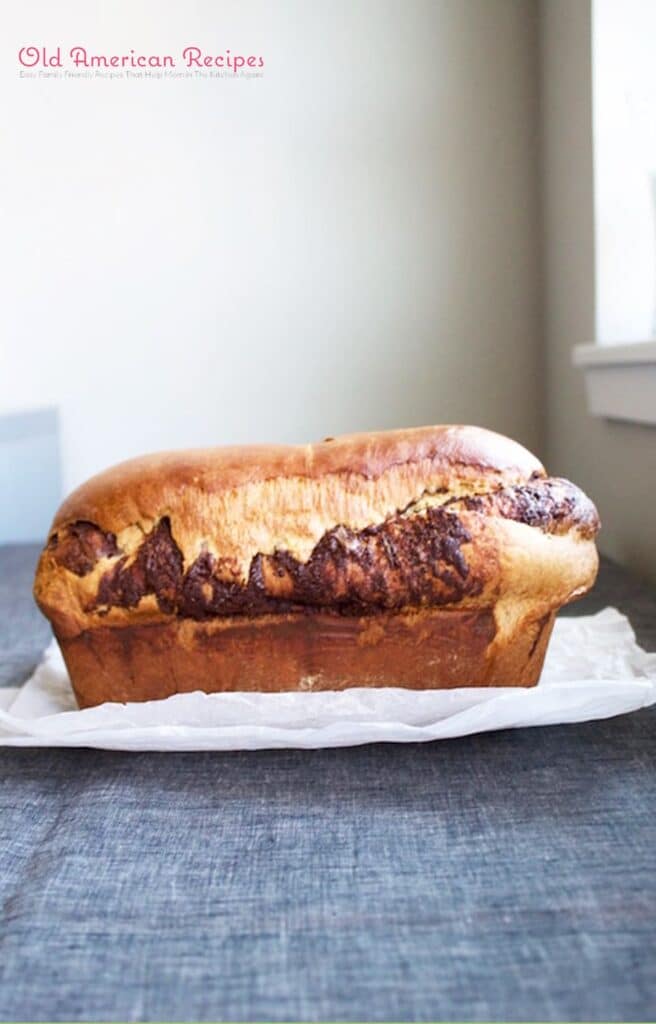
pixel 418 650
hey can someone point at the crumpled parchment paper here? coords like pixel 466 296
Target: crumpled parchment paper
pixel 594 669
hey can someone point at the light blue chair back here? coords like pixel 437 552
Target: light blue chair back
pixel 30 474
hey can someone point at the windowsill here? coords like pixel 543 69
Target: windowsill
pixel 620 380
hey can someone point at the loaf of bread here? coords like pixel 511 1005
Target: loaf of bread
pixel 426 558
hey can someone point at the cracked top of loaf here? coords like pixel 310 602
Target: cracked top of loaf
pixel 445 516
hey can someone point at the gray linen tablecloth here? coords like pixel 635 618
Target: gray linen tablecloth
pixel 506 876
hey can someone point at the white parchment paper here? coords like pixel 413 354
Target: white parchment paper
pixel 594 669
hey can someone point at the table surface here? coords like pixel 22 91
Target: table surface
pixel 507 876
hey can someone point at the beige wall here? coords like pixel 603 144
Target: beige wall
pixel 349 243
pixel 353 242
pixel 614 462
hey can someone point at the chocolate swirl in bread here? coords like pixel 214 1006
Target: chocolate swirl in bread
pixel 412 558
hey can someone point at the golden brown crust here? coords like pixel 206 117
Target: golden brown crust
pixel 455 520
pixel 237 503
pixel 432 457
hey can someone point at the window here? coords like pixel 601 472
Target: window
pixel 624 132
pixel 621 366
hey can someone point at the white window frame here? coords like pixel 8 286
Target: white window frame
pixel 620 380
